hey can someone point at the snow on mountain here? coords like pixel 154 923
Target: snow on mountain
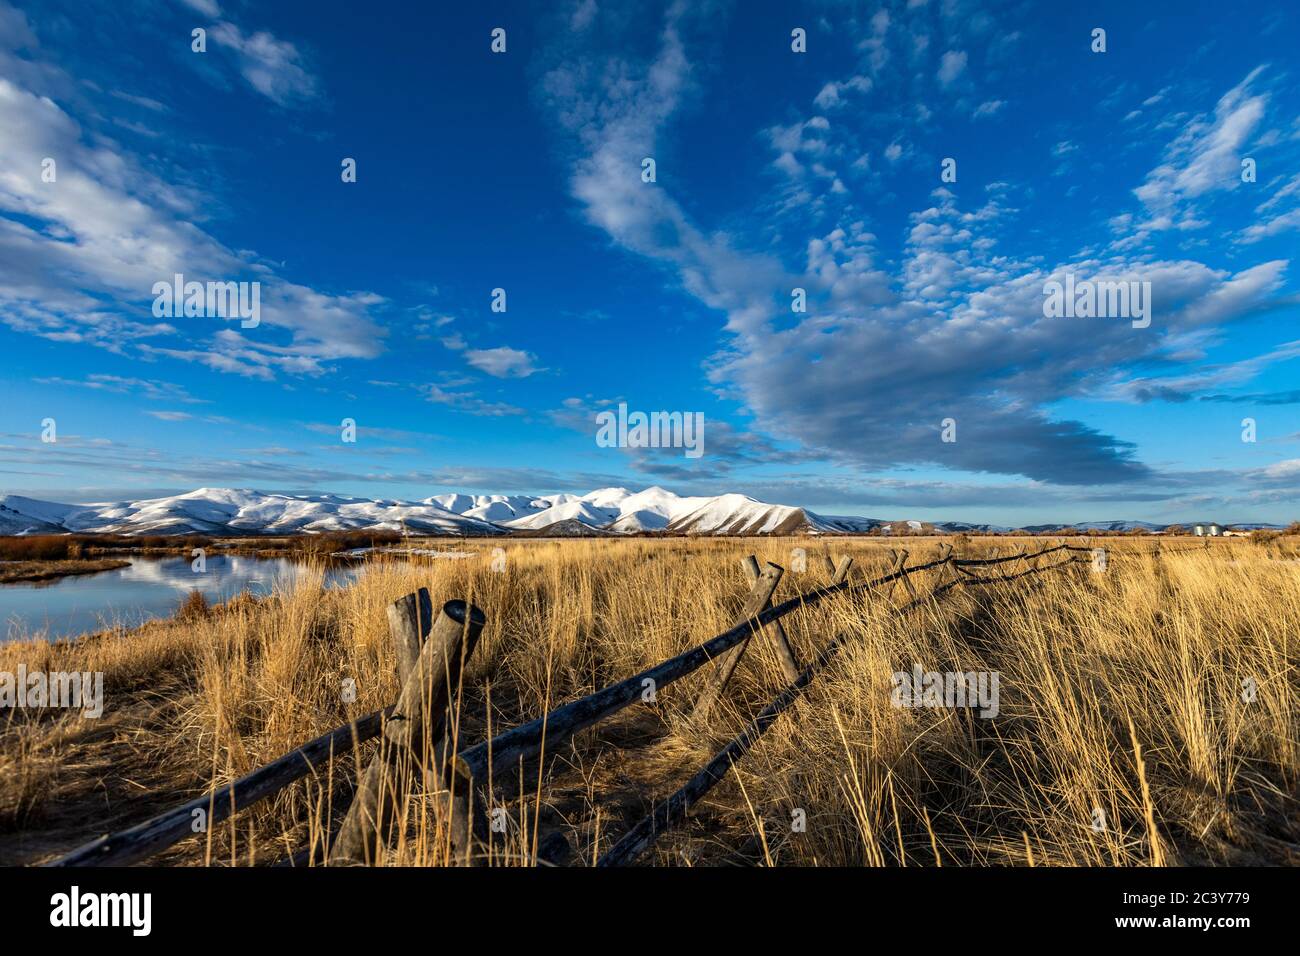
pixel 606 498
pixel 231 511
pixel 740 515
pixel 567 528
pixel 227 511
pixel 498 509
pixel 612 509
pixel 652 510
pixel 19 515
pixel 843 524
pixel 581 511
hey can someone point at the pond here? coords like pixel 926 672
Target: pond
pixel 151 587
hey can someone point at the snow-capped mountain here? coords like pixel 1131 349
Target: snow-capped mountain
pixel 230 511
pixel 19 515
pixel 656 509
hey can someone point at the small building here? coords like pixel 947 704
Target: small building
pixel 1200 531
pixel 1208 530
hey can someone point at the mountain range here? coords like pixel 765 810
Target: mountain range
pixel 231 511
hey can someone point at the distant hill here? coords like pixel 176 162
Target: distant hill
pixel 606 511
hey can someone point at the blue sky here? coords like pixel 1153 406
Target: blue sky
pixel 775 170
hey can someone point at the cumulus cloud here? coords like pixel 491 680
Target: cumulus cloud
pixel 502 362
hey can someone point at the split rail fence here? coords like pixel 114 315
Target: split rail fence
pixel 417 733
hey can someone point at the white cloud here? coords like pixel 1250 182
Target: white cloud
pixel 209 8
pixel 468 402
pixel 1284 222
pixel 502 362
pixel 150 389
pixel 1290 468
pixel 832 94
pixel 583 15
pixel 875 45
pixel 951 66
pixel 271 66
pixel 1206 154
pixel 79 256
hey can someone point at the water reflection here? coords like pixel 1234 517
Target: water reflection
pixel 150 587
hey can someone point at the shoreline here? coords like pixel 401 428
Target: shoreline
pixel 27 572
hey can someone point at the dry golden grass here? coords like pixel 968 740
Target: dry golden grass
pixel 1123 737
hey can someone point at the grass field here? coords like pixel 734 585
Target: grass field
pixel 1149 714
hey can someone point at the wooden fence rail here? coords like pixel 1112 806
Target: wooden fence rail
pixel 146 839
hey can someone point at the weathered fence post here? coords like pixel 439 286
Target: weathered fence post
pixel 900 559
pixel 841 570
pixel 170 827
pixel 946 570
pixel 409 621
pixel 759 596
pixel 414 731
pixel 789 663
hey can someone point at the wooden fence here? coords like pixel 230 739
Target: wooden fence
pixel 416 734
